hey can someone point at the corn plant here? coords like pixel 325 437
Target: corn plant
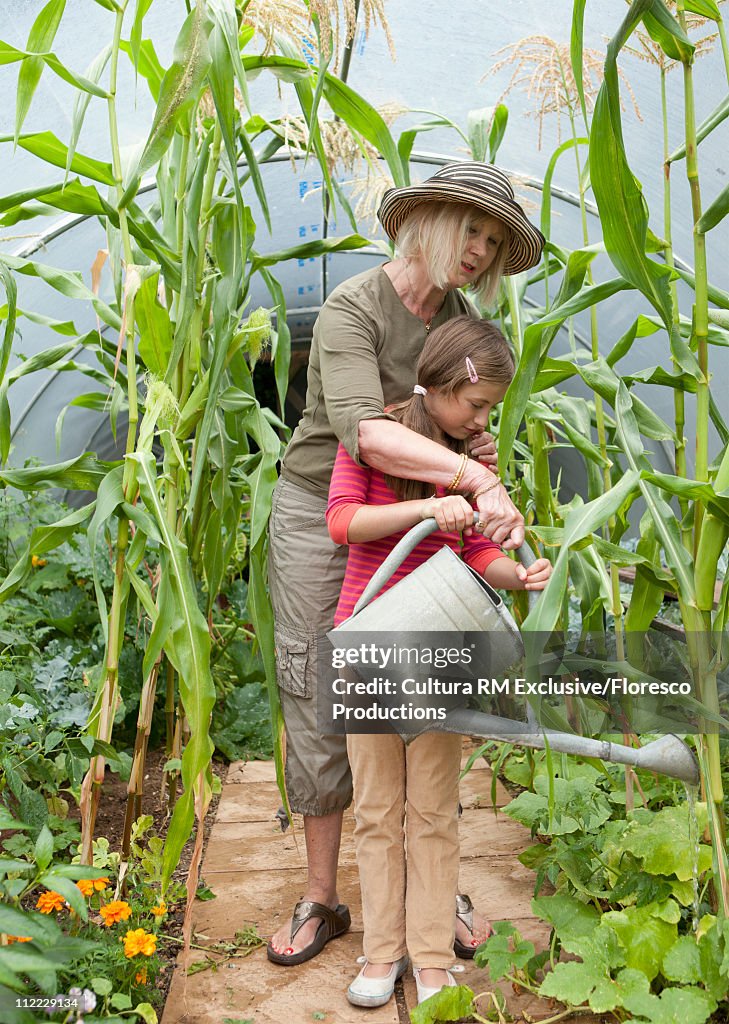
pixel 174 352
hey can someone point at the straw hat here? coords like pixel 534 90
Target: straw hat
pixel 481 185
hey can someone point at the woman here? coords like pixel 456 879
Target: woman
pixel 460 228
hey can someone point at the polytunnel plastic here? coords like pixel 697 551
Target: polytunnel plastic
pixel 443 52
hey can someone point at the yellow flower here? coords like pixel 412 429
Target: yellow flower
pixel 100 884
pixel 37 562
pixel 17 938
pixel 141 976
pixel 138 941
pixel 86 886
pixel 117 910
pixel 159 911
pixel 50 902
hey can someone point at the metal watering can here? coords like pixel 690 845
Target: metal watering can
pixel 444 594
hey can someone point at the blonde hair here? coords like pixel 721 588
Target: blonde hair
pixel 442 367
pixel 438 232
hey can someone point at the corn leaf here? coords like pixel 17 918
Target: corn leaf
pixel 47 147
pixel 93 73
pixel 148 65
pixel 135 36
pixel 704 8
pixel 42 540
pixel 667 529
pixel 318 247
pixel 40 39
pixel 188 648
pixel 66 282
pixel 715 213
pixel 666 31
pixel 576 48
pixel 579 524
pixel 620 200
pixel 155 327
pixel 178 92
pixel 545 223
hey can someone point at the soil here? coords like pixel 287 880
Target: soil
pixel 110 823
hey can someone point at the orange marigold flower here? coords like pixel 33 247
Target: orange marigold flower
pixel 159 911
pixel 100 884
pixel 17 938
pixel 50 902
pixel 37 562
pixel 141 976
pixel 138 941
pixel 117 910
pixel 86 886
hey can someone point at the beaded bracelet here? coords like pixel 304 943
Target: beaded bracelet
pixel 488 486
pixel 459 473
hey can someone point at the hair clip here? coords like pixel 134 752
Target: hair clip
pixel 420 390
pixel 472 375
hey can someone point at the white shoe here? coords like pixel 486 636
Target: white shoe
pixel 375 991
pixel 426 991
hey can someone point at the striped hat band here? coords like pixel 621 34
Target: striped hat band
pixel 476 184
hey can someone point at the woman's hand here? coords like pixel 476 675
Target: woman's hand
pixel 482 447
pixel 498 518
pixel 452 513
pixel 535 577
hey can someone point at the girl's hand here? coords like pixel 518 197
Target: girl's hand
pixel 536 576
pixel 452 513
pixel 482 447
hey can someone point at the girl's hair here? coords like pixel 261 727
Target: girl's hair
pixel 438 232
pixel 442 366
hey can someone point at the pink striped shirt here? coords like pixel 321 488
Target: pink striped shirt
pixel 353 486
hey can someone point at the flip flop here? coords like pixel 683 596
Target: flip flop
pixel 464 912
pixel 333 923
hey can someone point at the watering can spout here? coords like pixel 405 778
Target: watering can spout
pixel 668 755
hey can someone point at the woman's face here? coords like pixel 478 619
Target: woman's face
pixel 466 411
pixel 485 236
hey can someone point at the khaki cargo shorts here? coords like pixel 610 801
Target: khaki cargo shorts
pixel 305 572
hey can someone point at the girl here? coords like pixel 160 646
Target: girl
pixel 463 371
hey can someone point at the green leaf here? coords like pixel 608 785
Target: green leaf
pixel 568 915
pixel 645 935
pixel 576 48
pixel 70 892
pixel 188 648
pixel 667 32
pixel 361 116
pixel 155 327
pixel 40 39
pixel 49 148
pixel 69 283
pixel 44 848
pixel 714 214
pixel 315 248
pixel 29 924
pixel 83 473
pixel 620 200
pixel 178 92
pixel 93 73
pixel 667 529
pixel 673 1006
pixel 662 841
pixel 704 8
pixel 497 130
pixel 451 1003
pixel 135 37
pixel 590 981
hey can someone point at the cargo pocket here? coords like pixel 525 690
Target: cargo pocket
pixel 296 660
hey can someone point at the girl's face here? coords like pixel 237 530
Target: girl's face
pixel 485 235
pixel 466 411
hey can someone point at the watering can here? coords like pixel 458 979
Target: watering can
pixel 444 594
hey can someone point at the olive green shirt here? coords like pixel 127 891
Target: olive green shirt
pixel 363 353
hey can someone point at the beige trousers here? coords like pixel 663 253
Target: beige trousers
pixel 406 837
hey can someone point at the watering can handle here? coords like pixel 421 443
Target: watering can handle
pixel 408 544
